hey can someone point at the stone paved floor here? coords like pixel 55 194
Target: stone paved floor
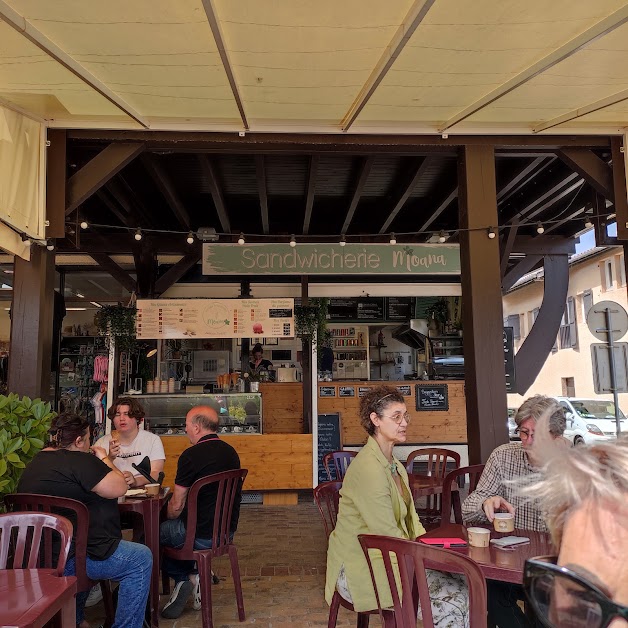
pixel 282 554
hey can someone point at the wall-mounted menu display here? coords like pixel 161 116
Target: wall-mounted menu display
pixel 399 308
pixel 326 391
pixel 346 391
pixel 367 309
pixel 431 397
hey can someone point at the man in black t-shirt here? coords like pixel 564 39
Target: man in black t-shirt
pixel 208 455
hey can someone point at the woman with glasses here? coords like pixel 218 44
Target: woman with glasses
pixel 375 498
pixel 584 494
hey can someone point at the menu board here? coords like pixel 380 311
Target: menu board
pixel 326 391
pixel 399 308
pixel 346 391
pixel 432 397
pixel 352 310
pixel 214 318
pixel 363 390
pixel 405 390
pixel 329 439
pixel 509 358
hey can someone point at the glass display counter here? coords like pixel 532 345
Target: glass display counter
pixel 239 413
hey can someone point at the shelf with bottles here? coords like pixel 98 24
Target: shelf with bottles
pixel 447 345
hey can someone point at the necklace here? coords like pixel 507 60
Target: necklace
pixel 393 467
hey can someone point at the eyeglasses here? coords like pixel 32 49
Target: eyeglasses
pixel 398 417
pixel 524 434
pixel 562 598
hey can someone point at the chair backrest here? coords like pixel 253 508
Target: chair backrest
pixel 327 497
pixel 26 541
pixel 436 460
pixel 336 463
pixel 412 559
pixel 474 472
pixel 227 484
pixel 72 509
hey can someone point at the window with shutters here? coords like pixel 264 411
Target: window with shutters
pixel 568 333
pixel 608 275
pixel 515 322
pixel 587 303
pixel 621 271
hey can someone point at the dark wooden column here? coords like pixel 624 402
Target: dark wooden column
pixel 307 368
pixel 485 380
pixel 31 324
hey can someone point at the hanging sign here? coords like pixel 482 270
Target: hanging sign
pixel 331 259
pixel 214 318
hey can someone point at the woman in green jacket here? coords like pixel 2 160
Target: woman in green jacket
pixel 375 499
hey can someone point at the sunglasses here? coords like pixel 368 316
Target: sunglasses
pixel 562 598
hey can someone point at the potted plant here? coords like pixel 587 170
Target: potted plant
pixel 24 424
pixel 312 319
pixel 117 322
pixel 438 312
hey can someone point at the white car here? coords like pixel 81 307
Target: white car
pixel 590 421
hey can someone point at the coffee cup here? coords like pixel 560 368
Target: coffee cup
pixel 504 522
pixel 478 537
pixel 152 489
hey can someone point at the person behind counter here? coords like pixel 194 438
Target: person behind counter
pixel 259 364
pixel 129 444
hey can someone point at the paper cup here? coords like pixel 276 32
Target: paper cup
pixel 478 537
pixel 504 522
pixel 152 489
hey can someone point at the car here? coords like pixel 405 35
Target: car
pixel 512 426
pixel 590 421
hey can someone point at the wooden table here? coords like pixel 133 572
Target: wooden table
pixel 150 508
pixel 33 597
pixel 505 565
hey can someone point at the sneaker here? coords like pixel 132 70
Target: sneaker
pixel 196 581
pixel 95 596
pixel 175 605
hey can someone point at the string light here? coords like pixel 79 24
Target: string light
pixel 491 233
pixel 26 240
pixel 293 241
pixel 241 239
pixel 393 239
pixel 540 228
pixel 50 245
pixel 138 235
pixel 84 224
pixel 588 224
pixel 343 241
pixel 190 238
pixel 442 237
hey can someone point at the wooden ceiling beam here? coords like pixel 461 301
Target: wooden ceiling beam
pixel 209 170
pixel 363 174
pixel 119 274
pixel 522 177
pixel 175 272
pixel 127 219
pixel 145 268
pixel 310 191
pixel 418 170
pixel 507 247
pixel 439 210
pixel 95 173
pixel 119 189
pixel 167 189
pixel 619 186
pixel 591 168
pixel 260 169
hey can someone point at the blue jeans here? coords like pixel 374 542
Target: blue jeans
pixel 172 534
pixel 131 566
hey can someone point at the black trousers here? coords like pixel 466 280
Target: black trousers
pixel 503 610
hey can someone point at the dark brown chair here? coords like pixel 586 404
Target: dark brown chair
pixel 77 512
pixel 413 558
pixel 26 541
pixel 437 460
pixel 337 461
pixel 452 497
pixel 228 484
pixel 327 497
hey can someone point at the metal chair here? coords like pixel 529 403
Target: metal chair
pixel 437 460
pixel 452 497
pixel 26 541
pixel 412 559
pixel 338 461
pixel 227 485
pixel 78 514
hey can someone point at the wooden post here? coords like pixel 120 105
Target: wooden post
pixel 31 324
pixel 306 366
pixel 485 379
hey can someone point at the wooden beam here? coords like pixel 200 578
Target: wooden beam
pixel 260 168
pixel 209 170
pixel 404 192
pixel 524 266
pixel 536 347
pixel 546 245
pixel 618 155
pixel 523 177
pixel 600 221
pixel 548 198
pixel 120 275
pixel 94 174
pixel 565 219
pixel 145 269
pixel 507 248
pixel 129 200
pixel 485 378
pixel 591 168
pixel 175 272
pixel 309 194
pixel 55 183
pixel 166 187
pixel 440 209
pixel 363 175
pixel 126 219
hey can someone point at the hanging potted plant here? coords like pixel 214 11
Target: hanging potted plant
pixel 117 322
pixel 311 320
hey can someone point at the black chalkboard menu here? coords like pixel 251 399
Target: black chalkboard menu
pixel 405 390
pixel 399 309
pixel 326 391
pixel 329 439
pixel 509 358
pixel 432 397
pixel 346 391
pixel 354 310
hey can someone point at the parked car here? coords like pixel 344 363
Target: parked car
pixel 590 420
pixel 512 426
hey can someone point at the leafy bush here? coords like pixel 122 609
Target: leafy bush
pixel 23 427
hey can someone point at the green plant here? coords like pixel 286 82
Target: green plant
pixel 24 424
pixel 117 322
pixel 439 310
pixel 312 318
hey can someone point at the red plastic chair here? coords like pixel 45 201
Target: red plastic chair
pixel 413 558
pixel 26 541
pixel 228 484
pixel 338 461
pixel 78 513
pixel 437 460
pixel 452 497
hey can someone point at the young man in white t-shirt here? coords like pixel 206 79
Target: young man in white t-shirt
pixel 132 444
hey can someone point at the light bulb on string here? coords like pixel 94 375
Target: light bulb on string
pixel 84 224
pixel 293 241
pixel 588 224
pixel 343 241
pixel 50 245
pixel 491 233
pixel 241 239
pixel 540 228
pixel 138 235
pixel 442 237
pixel 393 238
pixel 190 238
pixel 26 240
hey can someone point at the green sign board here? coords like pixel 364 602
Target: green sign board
pixel 331 259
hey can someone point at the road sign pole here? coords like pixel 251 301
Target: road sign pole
pixel 611 364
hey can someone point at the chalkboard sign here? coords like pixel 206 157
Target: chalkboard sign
pixel 432 397
pixel 399 308
pixel 346 391
pixel 354 310
pixel 363 390
pixel 509 358
pixel 326 391
pixel 405 390
pixel 329 439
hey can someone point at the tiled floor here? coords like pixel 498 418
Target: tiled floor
pixel 282 554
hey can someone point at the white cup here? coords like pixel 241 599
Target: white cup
pixel 504 522
pixel 478 537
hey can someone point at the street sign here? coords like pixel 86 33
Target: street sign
pixel 596 320
pixel 602 381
